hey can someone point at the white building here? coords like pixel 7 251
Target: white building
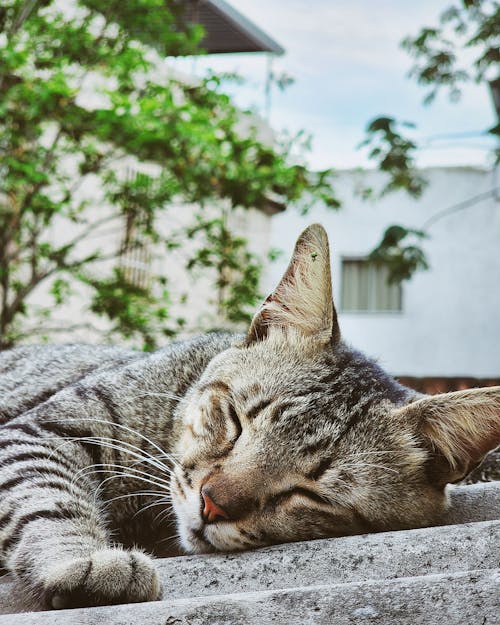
pixel 446 321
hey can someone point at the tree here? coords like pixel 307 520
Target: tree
pixel 182 140
pixel 472 26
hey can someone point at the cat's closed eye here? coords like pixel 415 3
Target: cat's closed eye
pixel 297 491
pixel 235 421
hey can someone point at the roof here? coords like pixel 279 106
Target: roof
pixel 227 30
pixel 445 384
pixel 495 95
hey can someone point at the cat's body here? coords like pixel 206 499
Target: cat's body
pixel 104 392
pixel 222 442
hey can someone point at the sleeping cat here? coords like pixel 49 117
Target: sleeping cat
pixel 222 442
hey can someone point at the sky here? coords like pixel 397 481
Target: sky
pixel 348 68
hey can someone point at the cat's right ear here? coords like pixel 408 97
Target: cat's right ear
pixel 303 298
pixel 460 427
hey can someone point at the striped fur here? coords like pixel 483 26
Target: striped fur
pixel 107 455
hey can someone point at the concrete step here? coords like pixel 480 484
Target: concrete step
pixel 372 556
pixel 449 599
pixel 475 502
pixel 437 550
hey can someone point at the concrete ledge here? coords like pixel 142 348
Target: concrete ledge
pixel 458 599
pixel 446 549
pixel 475 502
pixel 336 560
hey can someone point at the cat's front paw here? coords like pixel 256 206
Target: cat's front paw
pixel 108 576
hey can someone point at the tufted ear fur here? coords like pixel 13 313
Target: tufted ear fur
pixel 303 298
pixel 462 427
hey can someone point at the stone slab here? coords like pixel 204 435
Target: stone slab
pixel 475 502
pixel 374 556
pixel 450 599
pixel 336 560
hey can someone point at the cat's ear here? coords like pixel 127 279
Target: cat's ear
pixel 303 298
pixel 462 427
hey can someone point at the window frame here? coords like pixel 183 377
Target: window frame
pixel 350 311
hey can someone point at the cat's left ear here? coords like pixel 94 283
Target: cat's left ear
pixel 462 427
pixel 303 298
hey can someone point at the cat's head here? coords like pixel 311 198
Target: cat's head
pixel 291 435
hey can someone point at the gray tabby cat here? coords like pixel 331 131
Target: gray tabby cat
pixel 232 442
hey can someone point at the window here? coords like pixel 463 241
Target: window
pixel 365 287
pixel 135 258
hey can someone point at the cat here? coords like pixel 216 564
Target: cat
pixel 218 443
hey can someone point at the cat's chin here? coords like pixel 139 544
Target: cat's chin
pixel 209 539
pixel 194 541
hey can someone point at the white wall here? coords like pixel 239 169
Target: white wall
pixel 200 311
pixel 450 322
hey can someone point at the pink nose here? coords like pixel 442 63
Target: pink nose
pixel 211 511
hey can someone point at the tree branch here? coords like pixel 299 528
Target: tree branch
pixel 54 330
pixel 459 207
pixel 93 226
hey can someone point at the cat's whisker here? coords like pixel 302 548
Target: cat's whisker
pixel 160 458
pixel 122 474
pixel 173 396
pixel 163 452
pixel 114 477
pixel 110 443
pixel 159 502
pixel 123 470
pixel 169 538
pixel 144 477
pixel 113 443
pixel 365 465
pixel 170 455
pixel 130 431
pixel 145 493
pixel 164 514
pixel 145 453
pixel 137 462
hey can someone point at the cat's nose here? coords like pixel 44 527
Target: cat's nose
pixel 227 498
pixel 211 510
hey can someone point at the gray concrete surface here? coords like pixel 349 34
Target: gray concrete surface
pixel 475 502
pixel 338 560
pixel 315 571
pixel 460 599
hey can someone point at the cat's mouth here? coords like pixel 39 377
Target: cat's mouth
pixel 209 538
pixel 196 534
pixel 198 537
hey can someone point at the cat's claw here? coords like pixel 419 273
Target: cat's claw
pixel 108 576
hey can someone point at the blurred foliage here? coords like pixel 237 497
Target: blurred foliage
pixel 52 53
pixel 395 156
pixel 398 250
pixel 236 269
pixel 463 47
pixel 472 26
pixel 132 309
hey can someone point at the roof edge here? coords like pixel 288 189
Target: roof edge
pixel 247 26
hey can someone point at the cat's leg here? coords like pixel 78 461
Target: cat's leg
pixel 53 530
